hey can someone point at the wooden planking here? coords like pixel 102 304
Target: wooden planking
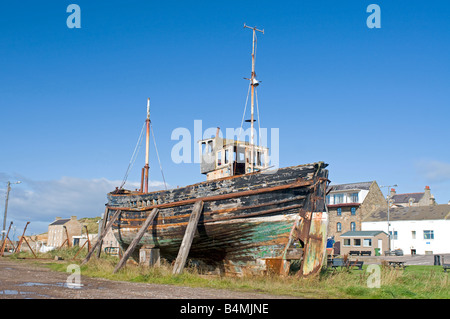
pixel 188 237
pixel 136 240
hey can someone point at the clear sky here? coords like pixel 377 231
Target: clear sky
pixel 372 103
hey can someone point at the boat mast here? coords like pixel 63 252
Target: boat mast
pixel 253 83
pixel 147 145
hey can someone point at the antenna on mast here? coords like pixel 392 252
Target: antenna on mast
pixel 144 176
pixel 253 83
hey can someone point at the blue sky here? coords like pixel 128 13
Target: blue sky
pixel 372 103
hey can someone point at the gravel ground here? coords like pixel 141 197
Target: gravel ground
pixel 22 280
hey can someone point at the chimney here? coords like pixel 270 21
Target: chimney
pixel 393 192
pixel 73 217
pixel 57 218
pixel 432 200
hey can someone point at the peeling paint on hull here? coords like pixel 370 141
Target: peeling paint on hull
pixel 247 221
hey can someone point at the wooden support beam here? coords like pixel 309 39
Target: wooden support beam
pixel 188 237
pixel 19 245
pixel 101 236
pixel 136 239
pixel 105 219
pixel 4 241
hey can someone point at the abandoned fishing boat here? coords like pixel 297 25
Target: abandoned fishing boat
pixel 246 217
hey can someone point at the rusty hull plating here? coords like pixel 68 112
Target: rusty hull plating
pixel 253 223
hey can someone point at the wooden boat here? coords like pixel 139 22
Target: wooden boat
pixel 251 218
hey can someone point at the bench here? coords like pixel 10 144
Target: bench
pixel 358 264
pixel 366 252
pixel 338 262
pixel 446 266
pixel 353 252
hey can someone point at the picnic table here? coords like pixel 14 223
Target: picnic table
pixel 397 264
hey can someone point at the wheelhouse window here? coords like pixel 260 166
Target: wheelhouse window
pixel 219 158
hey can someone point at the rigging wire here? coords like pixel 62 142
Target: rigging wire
pixel 259 122
pixel 245 108
pixel 160 166
pixel 133 157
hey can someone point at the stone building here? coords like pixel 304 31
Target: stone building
pixel 57 234
pixel 348 204
pixel 412 199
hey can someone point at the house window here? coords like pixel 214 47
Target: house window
pixel 353 210
pixel 328 199
pixel 393 235
pixel 428 234
pixel 338 227
pixel 352 226
pixel 339 211
pixel 346 241
pixel 354 197
pixel 367 242
pixel 413 234
pixel 338 198
pixel 357 242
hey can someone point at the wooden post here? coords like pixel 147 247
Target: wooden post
pixel 26 241
pixel 105 219
pixel 21 239
pixel 188 237
pixel 149 256
pixel 87 241
pixel 136 239
pixel 4 241
pixel 101 236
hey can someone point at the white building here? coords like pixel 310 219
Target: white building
pixel 424 229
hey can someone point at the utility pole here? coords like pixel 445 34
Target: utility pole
pixel 388 198
pixel 253 83
pixel 8 189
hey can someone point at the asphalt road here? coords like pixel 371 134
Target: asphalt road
pixel 23 280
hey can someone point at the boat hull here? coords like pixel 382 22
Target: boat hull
pixel 249 223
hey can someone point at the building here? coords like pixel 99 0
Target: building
pixel 372 242
pixel 348 204
pixel 415 229
pixel 412 199
pixel 57 234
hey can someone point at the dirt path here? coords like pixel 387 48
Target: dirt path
pixel 22 280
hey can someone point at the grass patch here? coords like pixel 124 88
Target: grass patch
pixel 415 282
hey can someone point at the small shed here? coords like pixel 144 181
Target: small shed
pixel 364 243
